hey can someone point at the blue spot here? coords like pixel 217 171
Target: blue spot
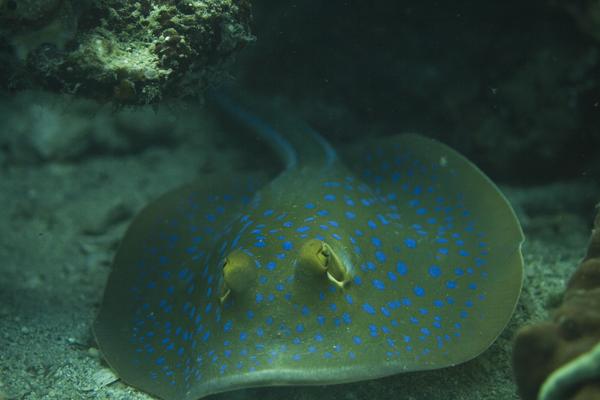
pixel 357 340
pixel 385 311
pixel 346 318
pixel 303 229
pixel 268 213
pixel 259 297
pixel 309 206
pixel 382 219
pixel 260 244
pixel 333 307
pixel 296 357
pixel 350 215
pixel 419 291
pixel 160 361
pixel 438 303
pixel 443 250
pixel 451 284
pixel 463 253
pixel 271 265
pixel 410 243
pixel 319 337
pixel 392 276
pixel 376 242
pixel 373 331
pixel 380 256
pixel 269 320
pixel 320 320
pixel 357 280
pixel 379 285
pixel 228 325
pixel 401 268
pixel 288 224
pixel 349 299
pixel 336 236
pixel 372 224
pixel 300 328
pixel 322 213
pixel 368 309
pixel 435 271
pixel 243 336
pixel 329 197
pixel 250 314
pixel 287 245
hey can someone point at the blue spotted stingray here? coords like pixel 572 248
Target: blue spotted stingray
pixel 399 256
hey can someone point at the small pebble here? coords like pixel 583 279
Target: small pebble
pixel 92 351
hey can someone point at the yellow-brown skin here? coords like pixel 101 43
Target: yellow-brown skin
pixel 239 274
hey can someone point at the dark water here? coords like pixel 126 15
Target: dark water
pixel 510 83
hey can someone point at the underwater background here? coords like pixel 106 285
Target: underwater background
pixel 514 86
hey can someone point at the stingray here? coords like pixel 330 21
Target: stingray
pixel 400 255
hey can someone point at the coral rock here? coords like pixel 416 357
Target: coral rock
pixel 574 329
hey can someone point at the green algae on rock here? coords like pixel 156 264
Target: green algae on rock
pixel 123 51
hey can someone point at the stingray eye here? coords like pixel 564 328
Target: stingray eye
pixel 239 274
pixel 317 258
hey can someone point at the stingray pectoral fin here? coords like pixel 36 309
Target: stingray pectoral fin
pixel 146 315
pixel 457 228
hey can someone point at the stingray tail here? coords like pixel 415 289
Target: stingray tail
pixel 292 139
